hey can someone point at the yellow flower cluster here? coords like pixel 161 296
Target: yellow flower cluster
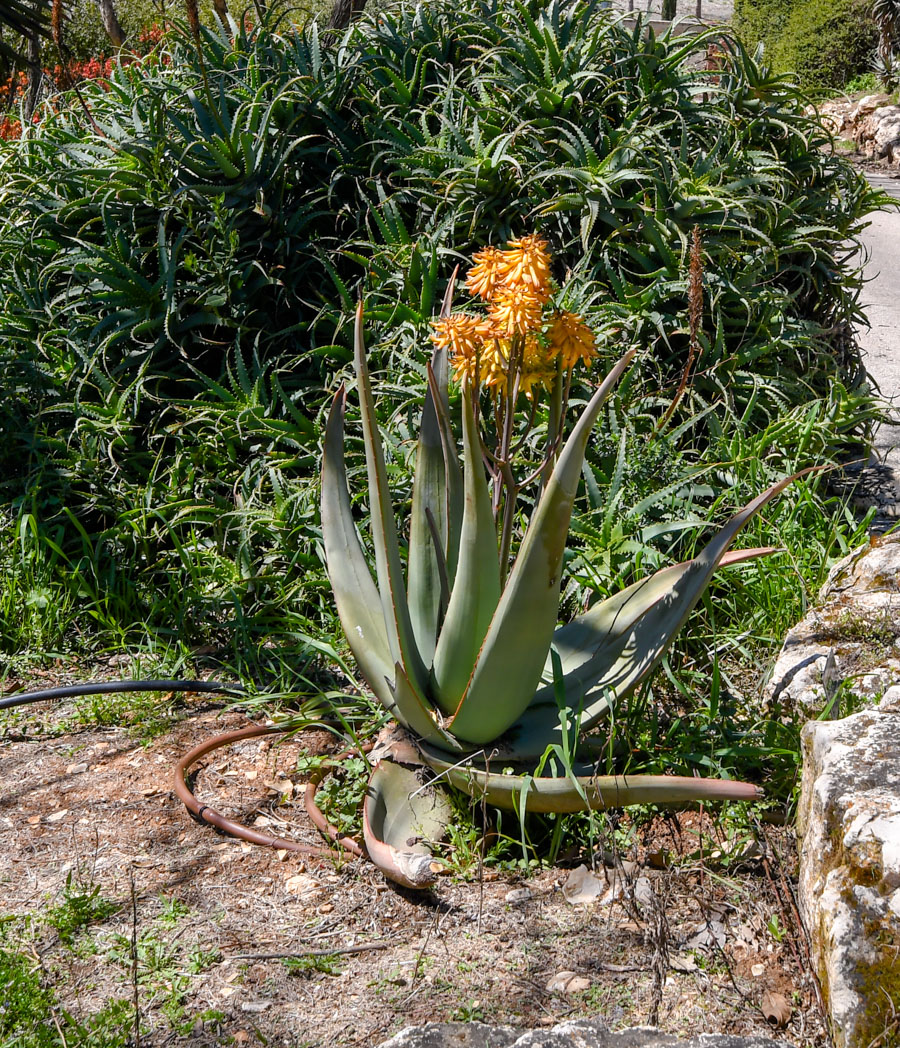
pixel 515 342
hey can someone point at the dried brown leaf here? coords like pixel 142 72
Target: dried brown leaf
pixel 776 1008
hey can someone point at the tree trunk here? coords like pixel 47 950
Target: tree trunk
pixel 111 22
pixel 343 12
pixel 668 10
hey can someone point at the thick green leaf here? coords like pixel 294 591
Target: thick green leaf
pixel 384 529
pixel 595 638
pixel 621 662
pixel 355 594
pixel 401 817
pixel 476 587
pixel 512 657
pixel 427 562
pixel 454 478
pixel 621 672
pixel 587 635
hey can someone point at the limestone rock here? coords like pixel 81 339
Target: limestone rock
pixel 842 114
pixel 849 891
pixel 805 675
pixel 872 123
pixel 576 1034
pixel 870 570
pixel 849 643
pixel 879 134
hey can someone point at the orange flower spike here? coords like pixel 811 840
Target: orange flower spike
pixel 571 339
pixel 464 335
pixel 464 369
pixel 461 333
pixel 515 310
pixel 484 276
pixel 526 263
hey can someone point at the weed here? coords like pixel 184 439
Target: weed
pixel 172 912
pixel 775 929
pixel 327 964
pixel 864 84
pixel 82 905
pixel 26 1006
pixel 471 1012
pixel 199 960
pixel 341 792
pixel 877 630
pixel 146 715
pixel 164 968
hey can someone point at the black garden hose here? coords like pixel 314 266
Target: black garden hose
pixel 110 687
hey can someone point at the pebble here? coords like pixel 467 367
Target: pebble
pixel 516 896
pixel 567 982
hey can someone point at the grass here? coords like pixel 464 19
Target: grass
pixel 31 1016
pixel 81 905
pixel 324 964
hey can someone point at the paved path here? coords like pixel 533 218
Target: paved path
pixel 881 347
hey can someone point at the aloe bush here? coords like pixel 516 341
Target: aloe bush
pixel 178 279
pixel 465 654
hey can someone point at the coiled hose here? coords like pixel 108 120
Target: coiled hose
pixel 203 812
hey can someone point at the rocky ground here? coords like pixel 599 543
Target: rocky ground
pixel 111 892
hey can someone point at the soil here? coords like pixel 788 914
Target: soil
pixel 88 813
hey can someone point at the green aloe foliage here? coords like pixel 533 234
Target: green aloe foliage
pixel 480 675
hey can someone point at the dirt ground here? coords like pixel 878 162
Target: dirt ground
pixel 86 811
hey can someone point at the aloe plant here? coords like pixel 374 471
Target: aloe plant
pixel 467 655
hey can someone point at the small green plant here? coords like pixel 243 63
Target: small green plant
pixel 146 715
pixel 342 790
pixel 200 960
pixel 161 973
pixel 864 84
pixel 326 964
pixel 173 911
pixel 25 1003
pixel 26 1006
pixel 775 928
pixel 82 905
pixel 470 1012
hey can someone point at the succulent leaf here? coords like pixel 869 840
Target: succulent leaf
pixel 400 817
pixel 476 587
pixel 512 657
pixel 355 593
pixel 384 530
pixel 621 672
pixel 593 640
pixel 430 497
pixel 584 792
pixel 454 477
pixel 408 707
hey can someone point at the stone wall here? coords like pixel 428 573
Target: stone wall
pixel 843 659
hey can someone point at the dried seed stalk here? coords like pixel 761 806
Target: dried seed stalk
pixel 695 316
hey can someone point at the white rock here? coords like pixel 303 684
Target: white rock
pixel 849 820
